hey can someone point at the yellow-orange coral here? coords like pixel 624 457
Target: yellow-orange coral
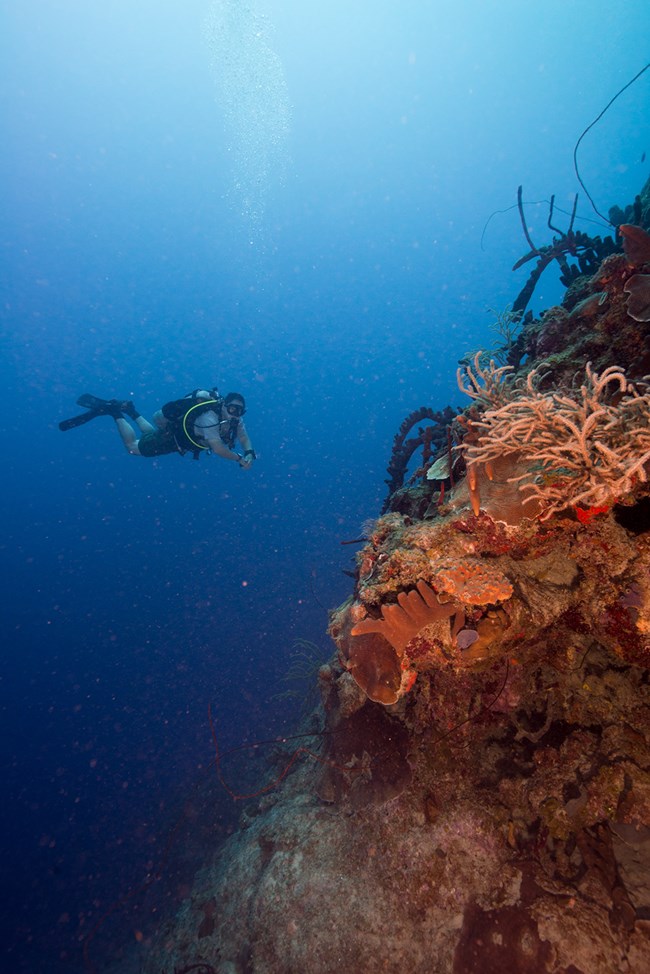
pixel 400 623
pixel 376 649
pixel 470 582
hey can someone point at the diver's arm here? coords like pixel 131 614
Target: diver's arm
pixel 219 448
pixel 244 438
pixel 208 426
pixel 247 446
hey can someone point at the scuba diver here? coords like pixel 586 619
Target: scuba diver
pixel 202 420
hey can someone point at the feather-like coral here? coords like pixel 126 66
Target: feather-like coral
pixel 589 447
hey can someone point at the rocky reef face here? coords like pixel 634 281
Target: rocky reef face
pixel 481 801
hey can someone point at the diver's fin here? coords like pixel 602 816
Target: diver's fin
pixel 70 424
pixel 95 406
pixel 91 402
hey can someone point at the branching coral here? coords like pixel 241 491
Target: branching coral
pixel 489 385
pixel 590 448
pixel 430 438
pixel 587 251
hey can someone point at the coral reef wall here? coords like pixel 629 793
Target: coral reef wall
pixel 481 801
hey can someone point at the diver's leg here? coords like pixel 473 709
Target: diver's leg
pixel 144 425
pixel 131 411
pixel 128 436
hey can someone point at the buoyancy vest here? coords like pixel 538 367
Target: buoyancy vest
pixel 181 414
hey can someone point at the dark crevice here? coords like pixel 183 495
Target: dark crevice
pixel 636 518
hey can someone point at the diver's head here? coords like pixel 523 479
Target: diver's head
pixel 235 405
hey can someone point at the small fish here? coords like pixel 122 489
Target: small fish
pixel 643 157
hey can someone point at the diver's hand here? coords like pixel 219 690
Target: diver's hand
pixel 245 462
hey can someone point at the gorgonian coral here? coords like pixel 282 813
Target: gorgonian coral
pixel 590 446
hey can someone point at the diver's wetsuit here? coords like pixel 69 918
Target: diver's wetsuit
pixel 206 430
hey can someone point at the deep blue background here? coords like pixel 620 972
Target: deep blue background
pixel 134 263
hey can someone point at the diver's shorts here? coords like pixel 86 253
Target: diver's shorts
pixel 157 443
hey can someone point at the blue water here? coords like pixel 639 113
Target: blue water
pixel 285 198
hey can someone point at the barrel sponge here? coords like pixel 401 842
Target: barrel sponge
pixel 375 667
pixel 376 648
